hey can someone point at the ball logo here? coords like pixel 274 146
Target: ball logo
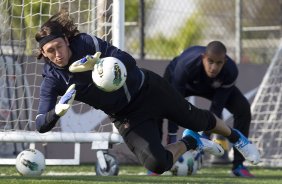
pixel 109 74
pixel 31 165
pixel 100 68
pixel 117 80
pixel 190 164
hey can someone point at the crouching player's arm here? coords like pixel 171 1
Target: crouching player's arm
pixel 45 122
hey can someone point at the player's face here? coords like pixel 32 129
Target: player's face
pixel 213 63
pixel 57 51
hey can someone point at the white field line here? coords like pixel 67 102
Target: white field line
pixel 84 173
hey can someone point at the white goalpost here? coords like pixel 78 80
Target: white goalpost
pixel 20 77
pixel 266 126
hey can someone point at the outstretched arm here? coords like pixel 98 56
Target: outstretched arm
pixel 46 121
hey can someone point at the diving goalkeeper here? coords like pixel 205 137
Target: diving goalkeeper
pixel 134 107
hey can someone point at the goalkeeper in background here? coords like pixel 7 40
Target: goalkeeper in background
pixel 209 73
pixel 70 57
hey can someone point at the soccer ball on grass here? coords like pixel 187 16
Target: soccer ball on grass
pixel 30 162
pixel 109 74
pixel 187 164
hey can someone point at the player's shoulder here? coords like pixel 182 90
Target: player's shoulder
pixel 191 55
pixel 196 49
pixel 193 52
pixel 230 63
pixel 80 38
pixel 87 37
pixel 230 69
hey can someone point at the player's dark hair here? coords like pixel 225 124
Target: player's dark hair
pixel 216 47
pixel 59 25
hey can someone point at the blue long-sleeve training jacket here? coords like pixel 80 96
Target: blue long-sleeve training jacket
pixel 189 78
pixel 56 81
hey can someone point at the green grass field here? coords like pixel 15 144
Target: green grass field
pixel 137 175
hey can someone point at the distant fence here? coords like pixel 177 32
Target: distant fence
pixel 163 28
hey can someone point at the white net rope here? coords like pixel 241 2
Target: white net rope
pixel 266 127
pixel 20 72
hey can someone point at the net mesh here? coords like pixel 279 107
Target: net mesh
pixel 20 72
pixel 266 126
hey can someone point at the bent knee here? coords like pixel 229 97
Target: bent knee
pixel 159 165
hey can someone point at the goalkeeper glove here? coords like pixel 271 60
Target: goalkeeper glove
pixel 85 64
pixel 66 101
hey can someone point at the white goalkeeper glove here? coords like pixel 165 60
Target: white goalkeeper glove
pixel 66 101
pixel 85 64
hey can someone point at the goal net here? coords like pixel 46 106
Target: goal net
pixel 266 126
pixel 20 72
